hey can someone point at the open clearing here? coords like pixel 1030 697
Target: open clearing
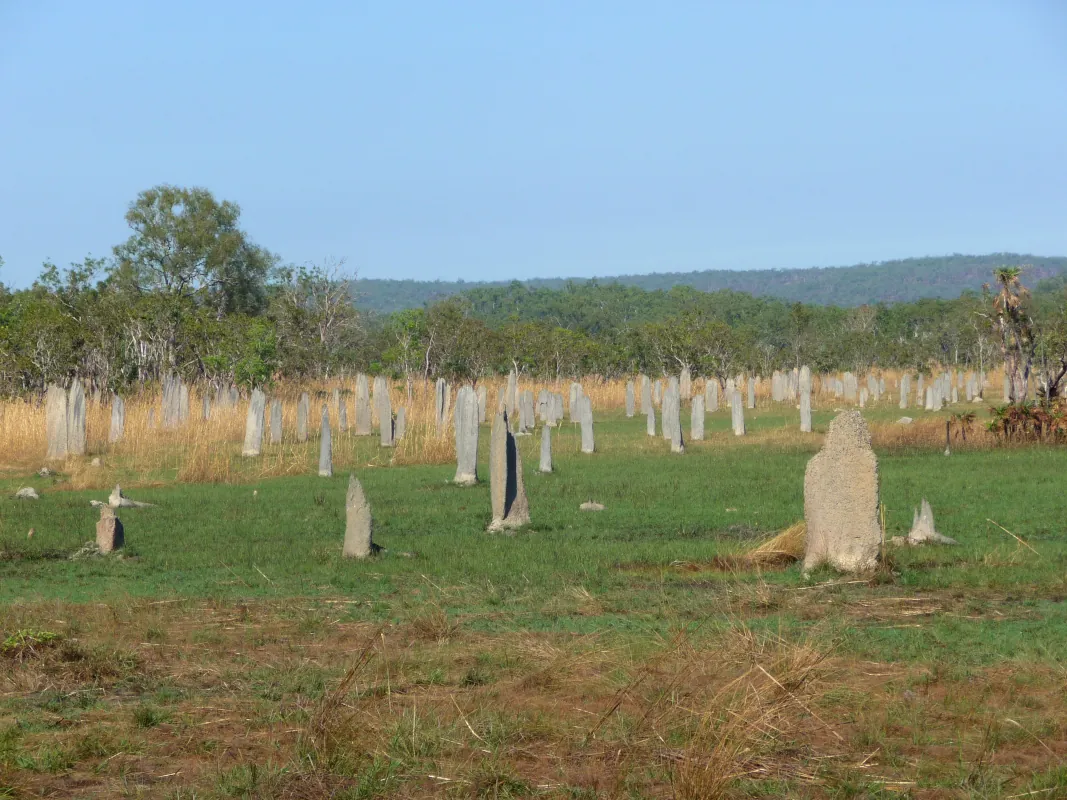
pixel 230 652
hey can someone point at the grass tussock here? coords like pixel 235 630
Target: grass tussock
pixel 743 728
pixel 784 548
pixel 777 552
pixel 330 724
pixel 434 625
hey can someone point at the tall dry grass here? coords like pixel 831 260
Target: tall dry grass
pixel 746 725
pixel 423 443
pixel 208 450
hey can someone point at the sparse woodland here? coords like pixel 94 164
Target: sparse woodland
pixel 188 292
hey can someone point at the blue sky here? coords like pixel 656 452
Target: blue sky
pixel 495 140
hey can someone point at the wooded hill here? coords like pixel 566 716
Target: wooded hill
pixel 911 279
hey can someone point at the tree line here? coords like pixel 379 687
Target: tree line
pixel 903 280
pixel 188 292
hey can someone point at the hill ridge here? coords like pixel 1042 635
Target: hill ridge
pixel 892 281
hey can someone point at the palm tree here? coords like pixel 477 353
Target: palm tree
pixel 1015 328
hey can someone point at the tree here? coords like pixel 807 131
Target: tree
pixel 563 352
pixel 1014 327
pixel 723 351
pixel 445 337
pixel 1050 340
pixel 696 341
pixel 405 331
pixel 863 334
pixel 315 312
pixel 800 318
pixel 674 344
pixel 521 345
pixel 186 244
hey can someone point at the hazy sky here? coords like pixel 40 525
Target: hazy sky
pixel 499 139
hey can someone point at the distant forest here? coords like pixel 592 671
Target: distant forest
pixel 188 292
pixel 907 280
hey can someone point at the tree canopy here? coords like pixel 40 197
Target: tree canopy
pixel 188 291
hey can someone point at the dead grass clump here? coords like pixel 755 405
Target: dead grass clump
pixel 433 625
pixel 741 727
pixel 574 600
pixel 780 551
pixel 422 442
pixel 785 548
pixel 735 705
pixel 1003 556
pixel 96 664
pixel 929 434
pixel 756 596
pixel 585 661
pixel 63 664
pixel 330 726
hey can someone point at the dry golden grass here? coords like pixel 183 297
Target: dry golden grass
pixel 741 726
pixel 422 442
pixel 785 547
pixel 292 698
pixel 209 450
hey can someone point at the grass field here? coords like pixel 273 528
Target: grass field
pixel 230 652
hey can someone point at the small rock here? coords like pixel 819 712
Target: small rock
pixel 905 421
pixel 591 507
pixel 27 493
pixel 44 472
pixel 95 462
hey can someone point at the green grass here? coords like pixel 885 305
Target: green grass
pixel 231 617
pixel 282 537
